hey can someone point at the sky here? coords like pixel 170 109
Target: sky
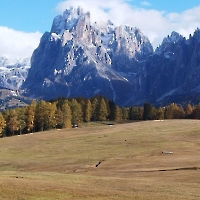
pixel 22 22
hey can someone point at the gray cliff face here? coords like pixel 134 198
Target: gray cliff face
pixel 78 58
pixel 172 73
pixel 127 47
pixel 13 72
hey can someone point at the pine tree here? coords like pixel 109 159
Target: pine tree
pixel 102 110
pixel 59 118
pixel 41 115
pixel 196 112
pixel 173 111
pixel 178 112
pixel 141 111
pixel 169 111
pixel 50 115
pixel 95 104
pixel 134 113
pixel 188 111
pixel 117 113
pixel 13 123
pixel 82 102
pixel 21 118
pixel 2 124
pixel 76 111
pixel 160 113
pixel 67 116
pixel 147 114
pixel 88 111
pixel 153 113
pixel 6 114
pixel 124 113
pixel 29 116
pixel 112 110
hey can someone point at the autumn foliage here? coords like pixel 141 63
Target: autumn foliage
pixel 63 113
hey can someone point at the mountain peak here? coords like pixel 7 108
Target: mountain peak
pixel 168 42
pixel 173 38
pixel 79 57
pixel 68 20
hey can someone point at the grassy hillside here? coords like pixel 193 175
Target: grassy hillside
pixel 98 162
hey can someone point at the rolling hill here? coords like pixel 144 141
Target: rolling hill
pixel 143 160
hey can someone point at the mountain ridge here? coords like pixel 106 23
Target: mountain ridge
pixel 13 72
pixel 78 58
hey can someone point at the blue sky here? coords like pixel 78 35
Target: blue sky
pixel 22 22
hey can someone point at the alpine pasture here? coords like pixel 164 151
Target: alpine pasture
pixel 148 160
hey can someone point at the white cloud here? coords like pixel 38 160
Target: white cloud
pixel 17 43
pixel 153 23
pixel 186 22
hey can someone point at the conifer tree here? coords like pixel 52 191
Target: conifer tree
pixel 88 111
pixel 124 113
pixel 76 111
pixel 169 111
pixel 2 123
pixel 102 110
pixel 13 123
pixel 134 113
pixel 82 102
pixel 117 113
pixel 160 113
pixel 153 113
pixel 112 110
pixel 188 111
pixel 173 111
pixel 147 114
pixel 21 118
pixel 59 118
pixel 50 115
pixel 95 104
pixel 141 111
pixel 67 115
pixel 41 115
pixel 29 116
pixel 197 112
pixel 6 114
pixel 178 112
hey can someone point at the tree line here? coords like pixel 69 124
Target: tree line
pixel 63 113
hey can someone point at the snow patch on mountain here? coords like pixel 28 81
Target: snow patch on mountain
pixel 67 21
pixel 13 72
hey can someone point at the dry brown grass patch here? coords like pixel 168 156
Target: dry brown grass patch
pixel 61 164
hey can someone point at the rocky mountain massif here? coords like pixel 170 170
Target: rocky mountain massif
pixel 78 58
pixel 13 72
pixel 173 72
